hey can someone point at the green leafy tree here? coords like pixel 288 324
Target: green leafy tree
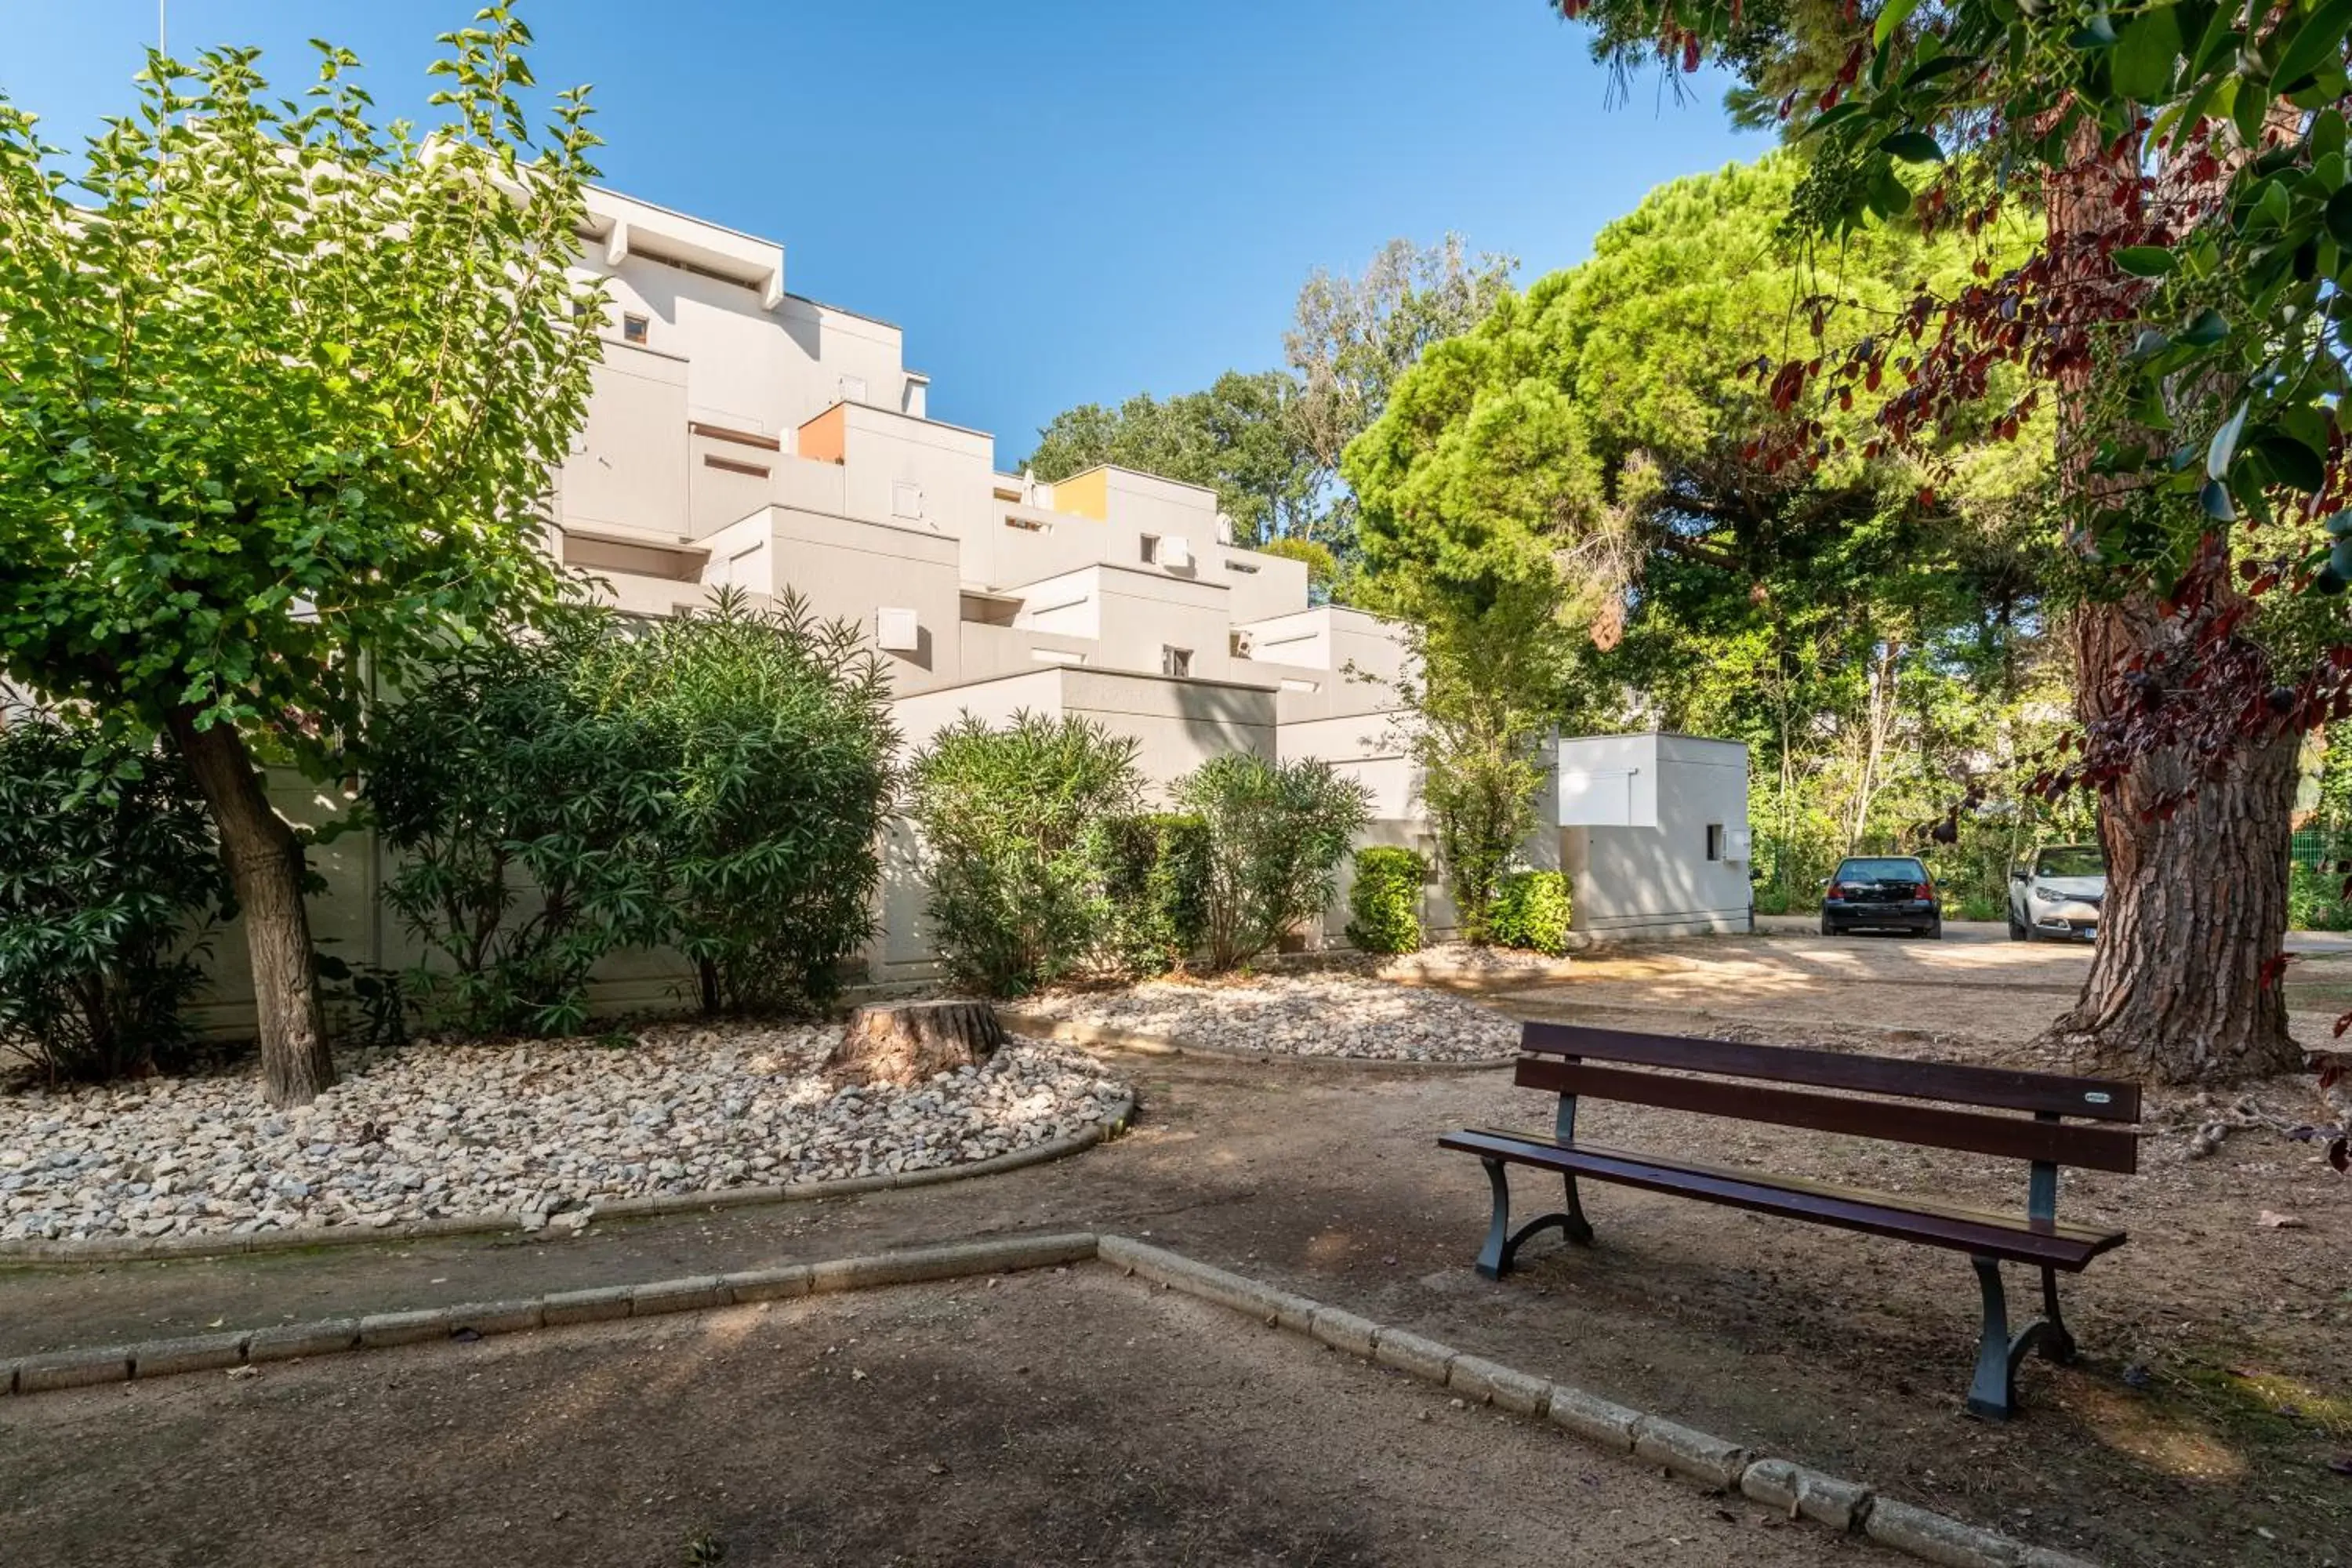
pixel 1155 870
pixel 281 391
pixel 1236 438
pixel 1384 899
pixel 1277 832
pixel 1010 821
pixel 109 883
pixel 2185 166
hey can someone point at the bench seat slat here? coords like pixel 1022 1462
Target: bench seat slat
pixel 1930 1221
pixel 1928 1126
pixel 2004 1088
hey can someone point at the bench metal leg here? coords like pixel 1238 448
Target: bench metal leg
pixel 1993 1393
pixel 1503 1243
pixel 2057 1344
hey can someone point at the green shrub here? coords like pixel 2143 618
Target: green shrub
pixel 1385 900
pixel 778 731
pixel 1010 820
pixel 2315 897
pixel 1155 874
pixel 1276 831
pixel 1532 910
pixel 110 879
pixel 527 824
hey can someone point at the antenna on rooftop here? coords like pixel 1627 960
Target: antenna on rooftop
pixel 162 28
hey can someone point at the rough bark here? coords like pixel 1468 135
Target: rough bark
pixel 911 1042
pixel 264 857
pixel 2196 900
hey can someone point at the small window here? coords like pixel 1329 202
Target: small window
pixel 1177 661
pixel 636 328
pixel 1150 549
pixel 1715 841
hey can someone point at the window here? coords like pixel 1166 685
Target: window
pixel 906 499
pixel 1715 841
pixel 1241 567
pixel 636 328
pixel 1177 661
pixel 1150 549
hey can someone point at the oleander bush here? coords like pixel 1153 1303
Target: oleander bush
pixel 1276 834
pixel 1532 909
pixel 1010 826
pixel 111 883
pixel 1384 903
pixel 1155 875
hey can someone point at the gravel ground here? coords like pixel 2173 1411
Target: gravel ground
pixel 1316 1014
pixel 546 1129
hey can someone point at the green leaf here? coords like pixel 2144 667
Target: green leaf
pixel 2247 113
pixel 1913 147
pixel 2225 444
pixel 2294 463
pixel 1896 12
pixel 2327 134
pixel 2319 41
pixel 2143 59
pixel 2148 345
pixel 2208 328
pixel 2338 216
pixel 2098 33
pixel 2215 498
pixel 2146 260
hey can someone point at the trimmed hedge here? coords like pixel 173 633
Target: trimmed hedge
pixel 1532 910
pixel 1385 901
pixel 1155 870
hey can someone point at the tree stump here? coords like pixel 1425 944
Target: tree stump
pixel 907 1042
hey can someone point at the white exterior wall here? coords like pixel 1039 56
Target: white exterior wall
pixel 1635 812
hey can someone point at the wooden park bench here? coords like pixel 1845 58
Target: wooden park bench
pixel 1718 1077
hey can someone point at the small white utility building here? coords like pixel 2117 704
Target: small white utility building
pixel 1653 833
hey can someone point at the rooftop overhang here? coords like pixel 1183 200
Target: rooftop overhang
pixel 625 227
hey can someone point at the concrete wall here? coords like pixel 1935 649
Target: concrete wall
pixel 1653 876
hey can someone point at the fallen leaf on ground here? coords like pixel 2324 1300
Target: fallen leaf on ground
pixel 2273 1220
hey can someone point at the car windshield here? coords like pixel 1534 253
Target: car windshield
pixel 1882 871
pixel 2072 860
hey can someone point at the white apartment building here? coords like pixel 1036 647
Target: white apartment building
pixel 741 434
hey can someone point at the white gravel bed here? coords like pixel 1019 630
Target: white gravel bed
pixel 1316 1014
pixel 1462 958
pixel 545 1129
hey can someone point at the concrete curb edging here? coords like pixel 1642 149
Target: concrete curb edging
pixel 1848 1506
pixel 295 1240
pixel 478 1320
pixel 1073 1032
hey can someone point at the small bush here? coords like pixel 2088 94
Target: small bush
pixel 1276 831
pixel 527 828
pixel 1155 874
pixel 780 746
pixel 110 880
pixel 2315 899
pixel 1532 910
pixel 1386 900
pixel 1010 820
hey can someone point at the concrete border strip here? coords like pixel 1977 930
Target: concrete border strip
pixel 299 1238
pixel 1848 1506
pixel 285 1342
pixel 1076 1032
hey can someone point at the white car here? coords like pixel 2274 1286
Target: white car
pixel 2058 893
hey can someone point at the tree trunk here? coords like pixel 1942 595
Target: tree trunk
pixel 2196 901
pixel 913 1041
pixel 265 866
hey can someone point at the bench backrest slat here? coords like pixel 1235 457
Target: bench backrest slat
pixel 2098 1100
pixel 2093 1148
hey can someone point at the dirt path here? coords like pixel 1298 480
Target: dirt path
pixel 1061 1418
pixel 2199 1428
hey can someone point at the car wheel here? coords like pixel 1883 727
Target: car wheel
pixel 1827 929
pixel 2017 931
pixel 1935 928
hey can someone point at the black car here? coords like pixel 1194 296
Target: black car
pixel 1882 892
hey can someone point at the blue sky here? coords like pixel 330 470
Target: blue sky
pixel 1060 201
